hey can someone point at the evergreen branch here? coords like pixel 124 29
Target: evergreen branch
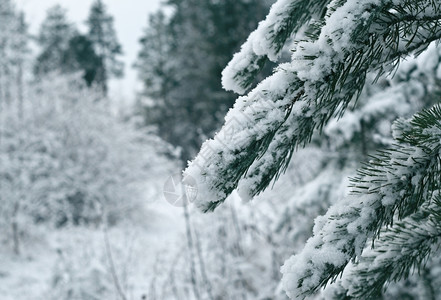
pixel 396 182
pixel 265 127
pixel 267 41
pixel 416 18
pixel 420 46
pixel 405 246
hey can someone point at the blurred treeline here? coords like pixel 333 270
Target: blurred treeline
pixel 65 156
pixel 94 53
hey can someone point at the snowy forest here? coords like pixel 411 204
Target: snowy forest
pixel 271 149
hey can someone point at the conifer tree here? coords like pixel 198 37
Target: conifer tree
pixel 105 42
pixel 65 50
pixel 53 39
pixel 394 203
pixel 197 39
pixel 13 55
pixel 80 55
pixel 158 74
pixel 13 51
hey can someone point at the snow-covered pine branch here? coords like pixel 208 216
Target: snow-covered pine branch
pixel 265 127
pixel 394 184
pixel 397 251
pixel 267 41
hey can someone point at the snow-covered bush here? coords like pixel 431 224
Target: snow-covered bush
pixel 69 159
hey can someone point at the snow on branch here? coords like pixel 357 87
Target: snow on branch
pixel 265 127
pixel 393 184
pixel 399 249
pixel 267 41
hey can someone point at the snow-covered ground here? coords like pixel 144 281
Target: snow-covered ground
pixel 74 261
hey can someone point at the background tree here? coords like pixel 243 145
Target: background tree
pixel 199 37
pixel 80 56
pixel 102 34
pixel 53 40
pixel 65 50
pixel 14 52
pixel 158 73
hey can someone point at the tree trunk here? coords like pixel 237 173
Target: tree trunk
pixel 15 230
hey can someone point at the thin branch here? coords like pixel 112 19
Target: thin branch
pixel 108 249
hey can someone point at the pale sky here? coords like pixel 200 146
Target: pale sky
pixel 130 17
